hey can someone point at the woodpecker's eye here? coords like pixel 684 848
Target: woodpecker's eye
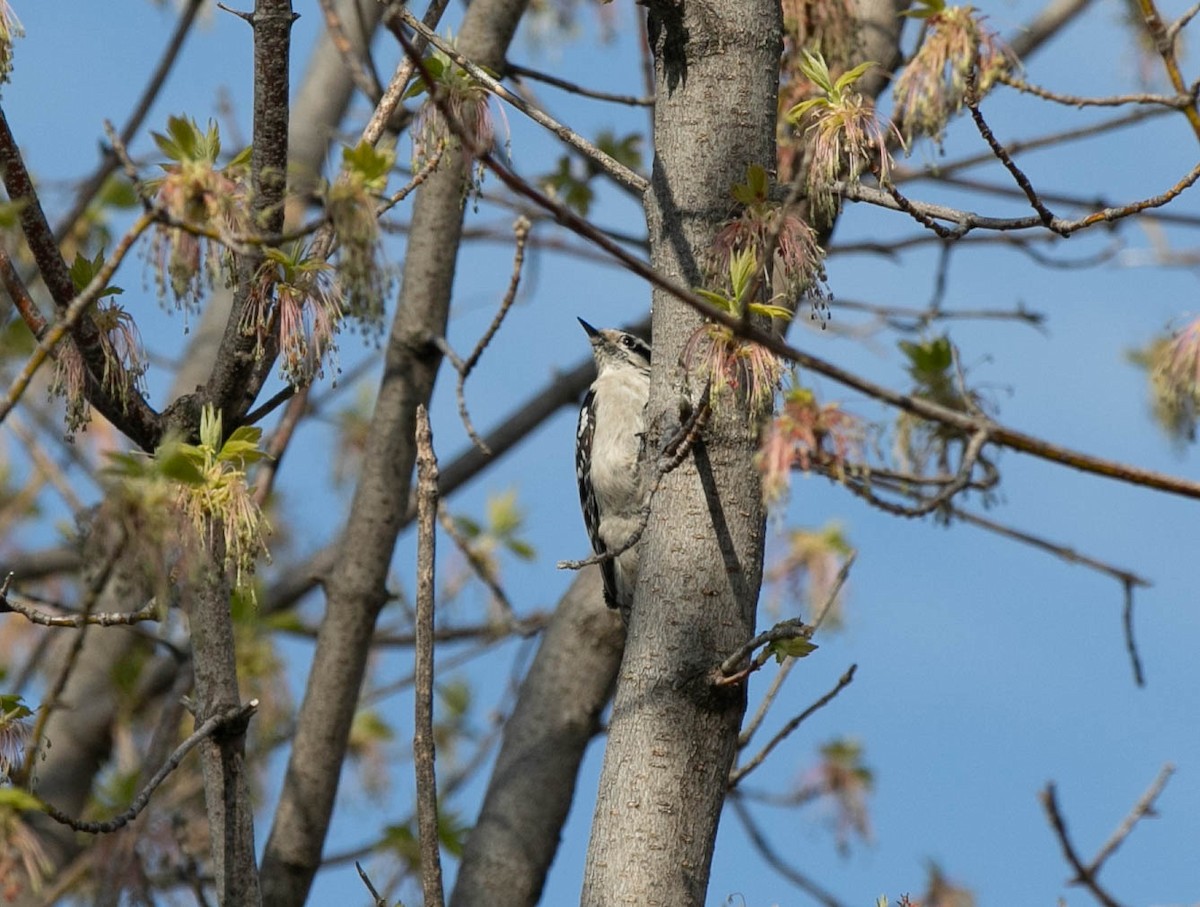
pixel 627 342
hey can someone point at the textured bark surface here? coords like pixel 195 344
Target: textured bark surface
pixel 227 800
pixel 509 851
pixel 673 734
pixel 355 587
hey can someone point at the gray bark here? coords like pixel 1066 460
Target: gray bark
pixel 355 588
pixel 509 851
pixel 227 799
pixel 673 734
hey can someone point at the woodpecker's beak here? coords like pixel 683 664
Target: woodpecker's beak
pixel 591 331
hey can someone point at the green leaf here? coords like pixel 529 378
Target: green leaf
pixel 754 190
pixel 434 66
pixel 468 527
pixel 771 311
pixel 19 800
pixel 455 697
pixel 719 300
pixel 743 266
pixel 848 78
pixel 210 427
pixel 178 465
pixel 13 707
pixel 504 517
pixel 370 164
pixel 117 192
pixel 627 150
pixel 521 549
pixel 925 9
pixel 798 647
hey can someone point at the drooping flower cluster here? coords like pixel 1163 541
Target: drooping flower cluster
pixel 456 113
pixel 351 204
pixel 829 28
pixel 932 88
pixel 297 293
pixel 120 342
pixel 192 495
pixel 206 206
pixel 1174 367
pixel 846 138
pixel 715 355
pixel 805 434
pixel 798 261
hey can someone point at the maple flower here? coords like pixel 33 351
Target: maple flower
pixel 846 137
pixel 301 293
pixel 202 202
pixel 933 86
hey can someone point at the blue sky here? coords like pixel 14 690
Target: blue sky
pixel 986 668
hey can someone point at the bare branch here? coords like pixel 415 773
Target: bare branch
pixel 775 860
pixel 423 744
pixel 972 102
pixel 13 603
pixel 514 69
pixel 1144 807
pixel 1128 580
pixel 1083 875
pixel 235 715
pixel 1177 102
pixel 635 182
pixel 758 758
pixel 481 569
pixel 362 874
pixel 1164 43
pixel 464 367
pixel 356 65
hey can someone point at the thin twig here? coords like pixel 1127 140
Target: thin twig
pixel 734 666
pixel 19 294
pixel 375 896
pixel 394 93
pixel 480 567
pixel 972 102
pixel 66 322
pixel 1083 875
pixel 269 469
pixel 1144 807
pixel 1128 579
pixel 514 69
pixel 154 85
pixel 760 714
pixel 521 228
pixel 775 860
pixel 12 602
pixel 51 701
pixel 423 744
pixel 360 71
pixel 758 758
pixel 237 715
pixel 1118 100
pixel 1164 43
pixel 635 182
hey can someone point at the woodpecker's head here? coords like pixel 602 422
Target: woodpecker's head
pixel 613 349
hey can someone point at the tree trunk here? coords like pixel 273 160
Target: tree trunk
pixel 673 734
pixel 557 714
pixel 355 588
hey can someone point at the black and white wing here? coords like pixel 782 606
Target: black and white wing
pixel 587 495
